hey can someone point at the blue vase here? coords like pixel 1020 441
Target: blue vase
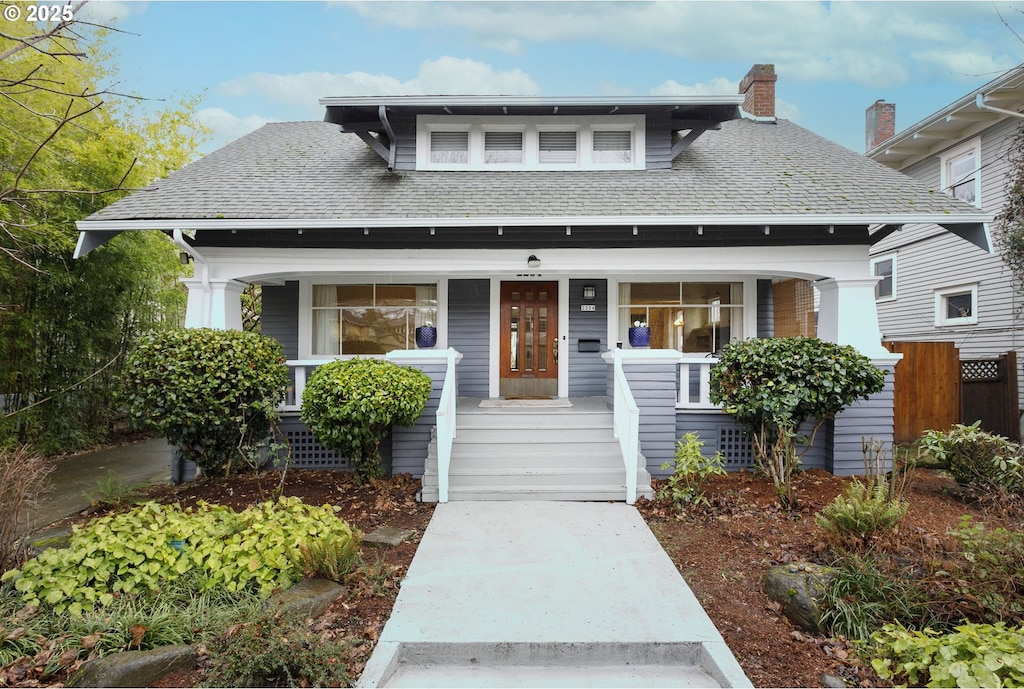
pixel 426 337
pixel 640 338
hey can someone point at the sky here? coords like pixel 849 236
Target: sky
pixel 255 61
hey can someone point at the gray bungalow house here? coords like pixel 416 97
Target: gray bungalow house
pixel 532 233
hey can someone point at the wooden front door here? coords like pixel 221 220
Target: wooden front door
pixel 529 339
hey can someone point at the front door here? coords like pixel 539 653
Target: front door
pixel 529 339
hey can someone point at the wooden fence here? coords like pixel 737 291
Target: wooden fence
pixel 989 394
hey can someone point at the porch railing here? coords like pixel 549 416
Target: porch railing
pixel 695 383
pixel 298 372
pixel 626 425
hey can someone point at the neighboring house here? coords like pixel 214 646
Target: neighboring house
pixel 934 286
pixel 533 232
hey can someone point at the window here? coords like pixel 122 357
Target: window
pixel 956 305
pixel 961 173
pixel 543 142
pixel 684 316
pixel 884 267
pixel 369 319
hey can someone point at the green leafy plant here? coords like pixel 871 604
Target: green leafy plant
pixel 211 393
pixel 974 655
pixel 690 471
pixel 773 387
pixel 976 458
pixel 112 490
pixel 350 405
pixel 861 510
pixel 331 557
pixel 141 550
pixel 989 567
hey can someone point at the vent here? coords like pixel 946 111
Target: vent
pixel 735 446
pixel 307 453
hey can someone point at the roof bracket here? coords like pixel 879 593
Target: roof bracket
pixel 376 144
pixel 696 129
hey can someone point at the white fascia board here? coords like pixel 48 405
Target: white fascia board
pixel 529 221
pixel 528 101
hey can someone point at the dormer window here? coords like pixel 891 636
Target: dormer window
pixel 595 142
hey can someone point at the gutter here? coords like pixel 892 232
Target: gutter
pixel 980 102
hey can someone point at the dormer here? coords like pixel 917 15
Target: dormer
pixel 532 133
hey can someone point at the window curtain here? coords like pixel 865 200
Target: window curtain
pixel 326 322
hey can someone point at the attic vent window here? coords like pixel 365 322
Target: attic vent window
pixel 503 147
pixel 557 147
pixel 449 147
pixel 613 147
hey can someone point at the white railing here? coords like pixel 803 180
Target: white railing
pixel 695 372
pixel 300 371
pixel 446 425
pixel 626 426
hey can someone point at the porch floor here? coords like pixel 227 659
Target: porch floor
pixel 577 405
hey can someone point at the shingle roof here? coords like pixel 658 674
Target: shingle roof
pixel 311 171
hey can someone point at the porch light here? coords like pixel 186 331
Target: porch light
pixel 589 291
pixel 184 258
pixel 533 261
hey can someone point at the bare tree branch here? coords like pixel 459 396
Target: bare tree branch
pixel 54 33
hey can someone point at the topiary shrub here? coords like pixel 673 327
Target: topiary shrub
pixel 773 386
pixel 212 393
pixel 349 405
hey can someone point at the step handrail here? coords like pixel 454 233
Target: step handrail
pixel 446 425
pixel 626 425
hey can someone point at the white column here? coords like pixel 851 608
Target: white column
pixel 198 301
pixel 214 304
pixel 847 315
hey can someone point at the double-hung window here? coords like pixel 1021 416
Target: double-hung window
pixel 961 172
pixel 884 267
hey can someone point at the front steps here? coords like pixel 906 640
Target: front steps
pixel 534 454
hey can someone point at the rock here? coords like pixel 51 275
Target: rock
pixel 134 668
pixel 387 536
pixel 833 682
pixel 308 598
pixel 800 588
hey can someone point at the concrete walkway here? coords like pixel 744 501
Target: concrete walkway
pixel 554 594
pixel 74 479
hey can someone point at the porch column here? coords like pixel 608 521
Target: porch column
pixel 847 315
pixel 214 304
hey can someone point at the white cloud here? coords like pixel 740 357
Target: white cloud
pixel 719 86
pixel 445 75
pixel 226 126
pixel 106 11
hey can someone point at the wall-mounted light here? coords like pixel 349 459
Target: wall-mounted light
pixel 184 258
pixel 589 291
pixel 533 261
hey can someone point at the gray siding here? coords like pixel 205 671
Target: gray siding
pixel 720 432
pixel 469 324
pixel 654 389
pixel 864 420
pixel 409 445
pixel 929 258
pixel 279 317
pixel 588 372
pixel 404 127
pixel 658 143
pixel 765 309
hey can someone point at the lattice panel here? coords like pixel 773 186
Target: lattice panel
pixel 735 445
pixel 307 453
pixel 979 370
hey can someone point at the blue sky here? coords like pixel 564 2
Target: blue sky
pixel 259 61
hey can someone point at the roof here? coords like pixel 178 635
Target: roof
pixel 307 174
pixel 995 101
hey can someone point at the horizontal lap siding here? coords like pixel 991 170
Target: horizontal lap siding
pixel 404 127
pixel 658 135
pixel 279 316
pixel 469 324
pixel 588 372
pixel 765 309
pixel 409 444
pixel 654 389
pixel 870 419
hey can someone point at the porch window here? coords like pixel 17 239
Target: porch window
pixel 684 316
pixel 369 319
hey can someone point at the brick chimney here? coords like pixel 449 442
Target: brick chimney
pixel 758 89
pixel 880 123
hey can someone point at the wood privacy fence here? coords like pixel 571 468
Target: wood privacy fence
pixel 934 389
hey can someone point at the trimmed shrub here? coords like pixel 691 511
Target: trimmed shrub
pixel 211 393
pixel 976 458
pixel 350 405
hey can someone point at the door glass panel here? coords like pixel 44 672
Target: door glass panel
pixel 528 339
pixel 529 296
pixel 542 338
pixel 514 340
pixel 543 296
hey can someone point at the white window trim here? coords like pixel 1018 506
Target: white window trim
pixel 941 295
pixel 895 287
pixel 530 126
pixel 945 159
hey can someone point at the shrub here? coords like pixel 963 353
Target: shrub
pixel 350 405
pixel 773 386
pixel 976 458
pixel 141 550
pixel 691 470
pixel 975 655
pixel 331 557
pixel 211 393
pixel 988 572
pixel 24 477
pixel 861 511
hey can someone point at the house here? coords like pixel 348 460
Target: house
pixel 934 286
pixel 534 232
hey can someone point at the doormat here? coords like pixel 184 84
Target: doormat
pixel 514 403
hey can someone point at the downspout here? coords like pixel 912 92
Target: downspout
pixel 204 274
pixel 980 102
pixel 382 113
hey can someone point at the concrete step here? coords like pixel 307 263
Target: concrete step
pixel 507 435
pixel 476 476
pixel 535 420
pixel 525 449
pixel 567 492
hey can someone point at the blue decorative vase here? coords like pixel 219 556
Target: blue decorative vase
pixel 640 338
pixel 426 337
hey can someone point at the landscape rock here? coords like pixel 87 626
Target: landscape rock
pixel 799 587
pixel 134 668
pixel 833 682
pixel 308 598
pixel 387 536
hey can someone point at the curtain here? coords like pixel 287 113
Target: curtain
pixel 326 322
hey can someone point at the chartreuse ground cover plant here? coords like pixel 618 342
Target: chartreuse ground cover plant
pixel 774 386
pixel 213 394
pixel 350 405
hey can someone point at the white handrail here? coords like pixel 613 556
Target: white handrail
pixel 626 426
pixel 702 366
pixel 446 426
